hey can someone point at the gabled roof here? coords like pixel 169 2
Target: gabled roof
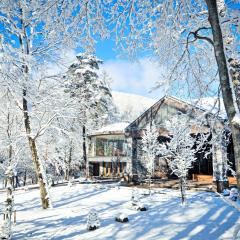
pixel 182 105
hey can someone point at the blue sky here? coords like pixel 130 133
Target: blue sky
pixel 105 50
pixel 133 77
pixel 136 77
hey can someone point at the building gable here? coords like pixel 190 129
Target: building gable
pixel 163 110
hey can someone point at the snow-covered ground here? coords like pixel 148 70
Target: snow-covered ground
pixel 206 216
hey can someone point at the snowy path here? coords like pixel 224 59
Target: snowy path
pixel 205 217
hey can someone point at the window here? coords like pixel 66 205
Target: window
pixel 110 147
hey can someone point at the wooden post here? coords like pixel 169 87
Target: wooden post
pixel 15 216
pixel 104 169
pixel 109 169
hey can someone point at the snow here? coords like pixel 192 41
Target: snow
pixel 206 216
pixel 236 119
pixel 137 104
pixel 212 104
pixel 133 103
pixel 112 128
pixel 83 70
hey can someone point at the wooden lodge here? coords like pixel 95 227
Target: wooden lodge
pixel 114 149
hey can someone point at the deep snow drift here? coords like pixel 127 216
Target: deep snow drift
pixel 206 216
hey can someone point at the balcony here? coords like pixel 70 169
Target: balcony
pixel 109 159
pixel 110 152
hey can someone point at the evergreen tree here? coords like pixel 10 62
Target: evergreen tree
pixel 91 94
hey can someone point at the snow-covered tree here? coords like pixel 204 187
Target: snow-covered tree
pixel 32 38
pixel 150 149
pixel 229 17
pixel 179 150
pixel 12 140
pixel 192 39
pixel 91 94
pixel 6 232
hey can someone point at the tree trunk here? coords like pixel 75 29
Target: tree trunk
pixel 10 151
pixel 150 192
pixel 32 144
pixel 67 174
pixel 41 181
pixel 182 187
pixel 220 186
pixel 24 45
pixel 85 151
pixel 236 145
pixel 225 81
pixel 25 178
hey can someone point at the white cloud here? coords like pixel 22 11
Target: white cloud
pixel 135 77
pixel 66 58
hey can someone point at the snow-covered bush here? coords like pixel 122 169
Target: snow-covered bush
pixel 234 194
pixel 226 192
pixel 122 218
pixel 135 201
pixel 93 221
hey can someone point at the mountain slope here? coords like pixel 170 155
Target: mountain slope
pixel 130 106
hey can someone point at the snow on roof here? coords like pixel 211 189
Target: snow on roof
pixel 209 104
pixel 213 105
pixel 114 128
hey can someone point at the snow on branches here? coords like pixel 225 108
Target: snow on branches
pixel 34 35
pixel 6 232
pixel 89 89
pixel 180 147
pixel 90 94
pixel 150 148
pixel 179 150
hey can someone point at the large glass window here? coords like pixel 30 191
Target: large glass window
pixel 110 147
